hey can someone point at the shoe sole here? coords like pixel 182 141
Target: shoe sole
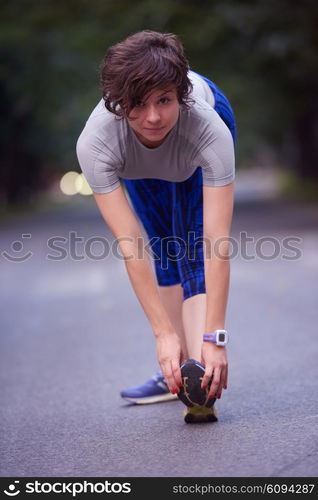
pixel 151 399
pixel 191 393
pixel 200 414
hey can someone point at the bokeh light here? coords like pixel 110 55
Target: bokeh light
pixel 73 183
pixel 82 185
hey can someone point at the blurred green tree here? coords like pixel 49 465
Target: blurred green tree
pixel 278 45
pixel 262 53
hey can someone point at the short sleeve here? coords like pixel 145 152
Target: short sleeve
pixel 217 159
pixel 97 164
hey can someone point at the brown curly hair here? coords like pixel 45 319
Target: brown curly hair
pixel 144 61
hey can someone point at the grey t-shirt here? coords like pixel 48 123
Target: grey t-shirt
pixel 108 149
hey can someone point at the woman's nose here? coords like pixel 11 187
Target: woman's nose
pixel 153 116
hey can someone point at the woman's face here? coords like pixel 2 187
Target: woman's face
pixel 155 116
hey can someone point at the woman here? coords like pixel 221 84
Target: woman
pixel 165 135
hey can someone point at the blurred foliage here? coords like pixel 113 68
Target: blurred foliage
pixel 293 189
pixel 262 53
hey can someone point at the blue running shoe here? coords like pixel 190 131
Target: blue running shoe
pixel 154 390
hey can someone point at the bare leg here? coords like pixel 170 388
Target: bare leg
pixel 187 317
pixel 193 313
pixel 172 299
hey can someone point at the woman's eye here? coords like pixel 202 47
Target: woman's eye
pixel 164 100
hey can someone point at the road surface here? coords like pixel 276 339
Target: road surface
pixel 73 335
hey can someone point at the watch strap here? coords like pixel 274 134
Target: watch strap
pixel 209 337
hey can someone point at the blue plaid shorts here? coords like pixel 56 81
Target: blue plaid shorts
pixel 172 215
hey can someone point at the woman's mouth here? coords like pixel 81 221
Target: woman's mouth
pixel 157 129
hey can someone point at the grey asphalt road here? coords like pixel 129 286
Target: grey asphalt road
pixel 73 335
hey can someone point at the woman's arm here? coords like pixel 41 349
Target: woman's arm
pixel 125 227
pixel 217 218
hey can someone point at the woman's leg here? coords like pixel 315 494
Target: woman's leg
pixel 193 313
pixel 172 299
pixel 188 229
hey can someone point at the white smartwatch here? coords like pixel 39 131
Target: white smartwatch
pixel 218 337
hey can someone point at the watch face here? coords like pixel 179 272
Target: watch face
pixel 221 337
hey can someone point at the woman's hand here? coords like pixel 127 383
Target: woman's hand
pixel 169 354
pixel 215 360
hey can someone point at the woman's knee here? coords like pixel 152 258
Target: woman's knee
pixel 193 285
